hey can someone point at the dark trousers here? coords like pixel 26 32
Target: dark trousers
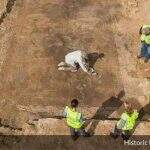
pixel 124 134
pixel 145 50
pixel 75 133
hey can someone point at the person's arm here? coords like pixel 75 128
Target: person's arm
pixel 121 124
pixel 82 120
pixel 136 113
pixel 65 113
pixel 84 65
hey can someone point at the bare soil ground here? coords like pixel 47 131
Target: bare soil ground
pixel 43 33
pixel 35 36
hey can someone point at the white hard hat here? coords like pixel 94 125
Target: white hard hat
pixel 146 30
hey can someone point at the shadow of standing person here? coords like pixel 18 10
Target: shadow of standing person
pixel 142 112
pixel 107 108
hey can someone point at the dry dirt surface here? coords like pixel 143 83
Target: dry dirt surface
pixel 43 32
pixel 35 35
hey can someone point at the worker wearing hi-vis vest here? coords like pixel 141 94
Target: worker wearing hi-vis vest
pixel 145 42
pixel 74 120
pixel 126 123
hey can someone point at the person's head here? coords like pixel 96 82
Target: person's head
pixel 74 103
pixel 146 30
pixel 128 107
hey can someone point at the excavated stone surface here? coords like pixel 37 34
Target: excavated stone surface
pixel 51 126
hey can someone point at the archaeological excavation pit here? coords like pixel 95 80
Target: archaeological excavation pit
pixel 36 35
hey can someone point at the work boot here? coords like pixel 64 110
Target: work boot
pixel 74 137
pixel 146 60
pixel 61 68
pixel 61 64
pixel 67 69
pixel 73 70
pixel 139 56
pixel 87 135
pixel 125 137
pixel 113 135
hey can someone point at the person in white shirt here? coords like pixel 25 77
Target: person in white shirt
pixel 75 60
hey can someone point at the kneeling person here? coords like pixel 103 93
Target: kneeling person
pixel 75 60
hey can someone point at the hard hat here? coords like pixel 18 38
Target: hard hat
pixel 146 30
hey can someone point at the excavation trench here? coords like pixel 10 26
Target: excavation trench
pixel 41 33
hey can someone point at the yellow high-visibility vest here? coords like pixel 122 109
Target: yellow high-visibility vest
pixel 145 38
pixel 130 120
pixel 73 118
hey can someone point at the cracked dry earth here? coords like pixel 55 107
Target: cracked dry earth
pixel 34 37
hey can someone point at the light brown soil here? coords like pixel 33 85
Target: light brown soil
pixel 35 36
pixel 43 33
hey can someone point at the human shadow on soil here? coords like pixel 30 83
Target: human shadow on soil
pixel 107 108
pixel 93 57
pixel 142 112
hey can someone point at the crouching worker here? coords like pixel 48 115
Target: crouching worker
pixel 75 60
pixel 126 124
pixel 74 120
